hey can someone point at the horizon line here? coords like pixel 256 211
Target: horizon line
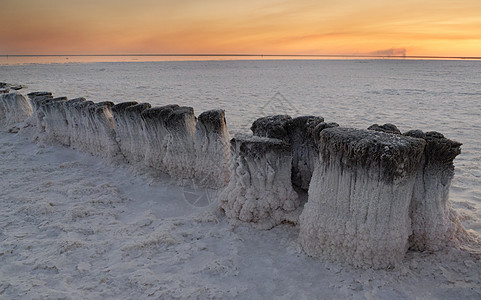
pixel 247 55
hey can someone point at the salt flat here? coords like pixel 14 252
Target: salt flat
pixel 75 226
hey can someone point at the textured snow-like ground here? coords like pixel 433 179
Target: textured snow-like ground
pixel 74 226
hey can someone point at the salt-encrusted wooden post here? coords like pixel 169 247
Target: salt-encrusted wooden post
pixel 14 108
pixel 212 149
pixel 302 133
pixel 358 206
pixel 128 130
pixel 180 154
pixel 435 224
pixel 155 134
pixel 260 190
pixel 75 124
pixel 100 138
pixel 37 117
pixel 76 113
pixel 55 120
pixel 122 130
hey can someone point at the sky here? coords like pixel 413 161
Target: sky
pixel 347 27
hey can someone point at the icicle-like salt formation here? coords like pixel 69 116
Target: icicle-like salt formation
pixel 435 224
pixel 44 115
pixel 129 130
pixel 73 114
pixel 212 149
pixel 260 190
pixel 14 108
pixel 137 139
pixel 70 117
pixel 161 138
pixel 155 132
pixel 101 139
pixel 3 113
pixel 359 197
pixel 55 120
pixel 37 117
pixel 77 114
pixel 91 127
pixel 180 154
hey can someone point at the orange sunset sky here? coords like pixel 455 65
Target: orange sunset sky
pixel 412 27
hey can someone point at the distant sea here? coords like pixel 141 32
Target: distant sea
pixel 47 59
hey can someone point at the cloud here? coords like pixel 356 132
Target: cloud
pixel 390 52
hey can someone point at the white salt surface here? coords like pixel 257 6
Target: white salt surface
pixel 74 226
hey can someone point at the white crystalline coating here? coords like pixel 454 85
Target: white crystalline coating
pixel 260 190
pixel 359 197
pixel 36 98
pixel 161 138
pixel 91 128
pixel 102 133
pixel 41 106
pixel 180 157
pixel 434 222
pixel 54 120
pixel 3 112
pixel 212 149
pixel 156 136
pixel 432 226
pixel 14 108
pixel 78 120
pixel 74 114
pixel 129 130
pixel 349 218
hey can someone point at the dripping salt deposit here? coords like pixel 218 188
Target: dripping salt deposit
pixel 259 190
pixel 358 207
pixel 129 132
